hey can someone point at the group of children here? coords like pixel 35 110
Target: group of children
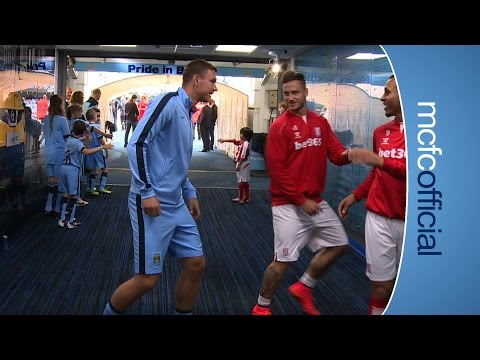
pixel 77 145
pixel 83 144
pixel 83 150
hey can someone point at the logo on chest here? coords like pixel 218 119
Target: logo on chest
pixel 316 140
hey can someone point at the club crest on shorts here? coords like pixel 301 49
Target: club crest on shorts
pixel 285 251
pixel 156 259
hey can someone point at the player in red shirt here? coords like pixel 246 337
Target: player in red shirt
pixel 298 145
pixel 385 190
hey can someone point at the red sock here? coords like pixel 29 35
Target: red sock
pixel 240 191
pixel 247 191
pixel 377 307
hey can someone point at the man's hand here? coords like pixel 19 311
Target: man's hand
pixel 364 156
pixel 311 207
pixel 151 206
pixel 345 205
pixel 194 208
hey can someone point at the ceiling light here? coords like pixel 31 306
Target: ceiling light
pixel 236 48
pixel 124 46
pixel 276 68
pixel 366 56
pixel 274 62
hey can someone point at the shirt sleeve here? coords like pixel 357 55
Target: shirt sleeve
pixel 362 190
pixel 189 190
pixel 395 167
pixel 65 128
pixel 277 152
pixel 335 149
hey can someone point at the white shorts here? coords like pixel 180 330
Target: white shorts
pixel 294 228
pixel 384 243
pixel 243 175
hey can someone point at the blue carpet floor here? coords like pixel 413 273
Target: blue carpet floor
pixel 49 270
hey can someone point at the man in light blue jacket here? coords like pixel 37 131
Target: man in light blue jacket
pixel 159 154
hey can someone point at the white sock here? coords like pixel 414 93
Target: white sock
pixel 263 301
pixel 307 280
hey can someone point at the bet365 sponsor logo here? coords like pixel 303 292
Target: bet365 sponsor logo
pixel 393 153
pixel 307 143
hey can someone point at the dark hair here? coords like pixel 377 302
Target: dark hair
pixel 247 133
pixel 55 108
pixel 197 66
pixel 291 75
pixel 77 98
pixel 79 127
pixel 73 108
pixel 28 112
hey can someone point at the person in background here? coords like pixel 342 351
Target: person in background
pixel 34 131
pixel 68 96
pixel 159 154
pixel 386 192
pixel 123 120
pixel 282 106
pixel 243 165
pixel 131 116
pixel 92 101
pixel 77 98
pixel 116 105
pixel 214 122
pixel 206 126
pixel 196 120
pixel 142 106
pixel 42 107
pixel 298 145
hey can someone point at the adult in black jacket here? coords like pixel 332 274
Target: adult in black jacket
pixel 214 122
pixel 131 116
pixel 208 120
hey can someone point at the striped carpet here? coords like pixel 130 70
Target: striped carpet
pixel 52 270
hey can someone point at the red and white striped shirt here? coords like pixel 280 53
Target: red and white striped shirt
pixel 243 150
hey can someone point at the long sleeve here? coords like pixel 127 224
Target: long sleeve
pixel 396 168
pixel 277 153
pixel 335 149
pixel 362 190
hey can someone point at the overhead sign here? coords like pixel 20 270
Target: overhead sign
pixel 139 68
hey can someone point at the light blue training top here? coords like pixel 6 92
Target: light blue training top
pixel 160 151
pixel 73 152
pixel 55 139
